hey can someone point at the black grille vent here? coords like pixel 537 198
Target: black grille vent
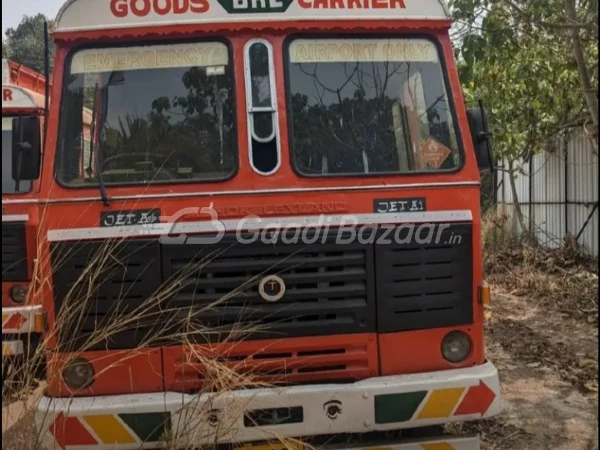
pixel 329 287
pixel 14 252
pixel 98 282
pixel 428 285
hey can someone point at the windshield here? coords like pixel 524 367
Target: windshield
pixel 153 114
pixel 9 185
pixel 369 106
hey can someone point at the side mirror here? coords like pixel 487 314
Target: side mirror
pixel 26 148
pixel 480 135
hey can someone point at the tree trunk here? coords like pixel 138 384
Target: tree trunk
pixel 584 75
pixel 515 198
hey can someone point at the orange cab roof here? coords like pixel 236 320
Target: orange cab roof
pixel 17 74
pixel 22 88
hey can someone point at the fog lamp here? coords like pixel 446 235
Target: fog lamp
pixel 78 373
pixel 18 294
pixel 456 347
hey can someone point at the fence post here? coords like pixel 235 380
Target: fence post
pixel 531 199
pixel 566 161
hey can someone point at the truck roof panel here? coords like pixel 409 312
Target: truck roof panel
pixel 88 15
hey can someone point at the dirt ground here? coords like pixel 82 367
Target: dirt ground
pixel 548 367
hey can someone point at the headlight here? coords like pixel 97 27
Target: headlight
pixel 456 347
pixel 78 373
pixel 18 294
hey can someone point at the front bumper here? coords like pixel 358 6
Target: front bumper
pixel 19 320
pixel 376 404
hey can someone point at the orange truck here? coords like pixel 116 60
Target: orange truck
pixel 23 109
pixel 272 234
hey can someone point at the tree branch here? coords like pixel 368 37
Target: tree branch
pixel 584 75
pixel 573 23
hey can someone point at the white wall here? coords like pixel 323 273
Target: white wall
pixel 557 191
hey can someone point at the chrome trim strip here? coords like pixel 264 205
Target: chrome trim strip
pixel 178 229
pixel 20 201
pixel 15 218
pixel 378 187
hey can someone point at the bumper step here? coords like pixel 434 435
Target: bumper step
pixel 256 415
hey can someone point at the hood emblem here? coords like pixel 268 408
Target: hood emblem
pixel 272 288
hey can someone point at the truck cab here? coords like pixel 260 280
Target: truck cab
pixel 23 109
pixel 273 232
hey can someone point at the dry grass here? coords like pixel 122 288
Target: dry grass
pixel 564 280
pixel 20 380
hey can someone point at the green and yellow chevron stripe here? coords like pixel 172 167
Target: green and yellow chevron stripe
pixel 434 404
pixel 110 429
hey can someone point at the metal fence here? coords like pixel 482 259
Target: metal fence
pixel 557 192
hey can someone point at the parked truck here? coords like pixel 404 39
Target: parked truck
pixel 23 109
pixel 273 233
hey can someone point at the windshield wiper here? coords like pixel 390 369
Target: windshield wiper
pixel 89 170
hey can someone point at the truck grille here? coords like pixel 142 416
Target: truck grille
pixel 329 288
pixel 210 292
pixel 294 360
pixel 14 252
pixel 161 294
pixel 103 293
pixel 426 286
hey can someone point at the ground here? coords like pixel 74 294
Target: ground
pixel 543 337
pixel 545 360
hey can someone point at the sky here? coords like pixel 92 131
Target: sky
pixel 14 10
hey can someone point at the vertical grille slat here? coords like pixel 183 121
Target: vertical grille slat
pixel 14 252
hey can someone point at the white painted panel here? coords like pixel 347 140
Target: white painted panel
pixel 79 15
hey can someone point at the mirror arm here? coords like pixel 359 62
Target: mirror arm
pixel 18 174
pixel 19 165
pixel 486 135
pixel 23 146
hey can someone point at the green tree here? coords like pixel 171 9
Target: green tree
pixel 26 42
pixel 4 49
pixel 535 68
